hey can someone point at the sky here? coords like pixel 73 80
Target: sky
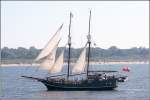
pixel 124 24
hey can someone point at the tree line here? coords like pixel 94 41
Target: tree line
pixel 97 54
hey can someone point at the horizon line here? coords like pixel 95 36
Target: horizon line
pixel 79 47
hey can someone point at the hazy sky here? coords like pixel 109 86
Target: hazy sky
pixel 124 24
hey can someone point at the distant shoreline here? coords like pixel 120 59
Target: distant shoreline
pixel 121 62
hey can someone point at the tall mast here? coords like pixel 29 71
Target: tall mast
pixel 69 44
pixel 89 44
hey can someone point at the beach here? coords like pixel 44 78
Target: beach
pixel 105 63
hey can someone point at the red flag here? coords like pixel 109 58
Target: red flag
pixel 126 69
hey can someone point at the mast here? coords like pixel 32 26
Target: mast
pixel 69 44
pixel 89 44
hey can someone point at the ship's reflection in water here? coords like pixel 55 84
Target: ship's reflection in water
pixel 16 88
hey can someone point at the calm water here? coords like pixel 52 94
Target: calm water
pixel 16 88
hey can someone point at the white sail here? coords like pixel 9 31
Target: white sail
pixel 81 62
pixel 50 45
pixel 49 60
pixel 58 65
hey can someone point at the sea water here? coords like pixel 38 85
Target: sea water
pixel 14 87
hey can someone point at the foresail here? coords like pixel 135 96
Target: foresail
pixel 58 65
pixel 48 61
pixel 81 62
pixel 50 45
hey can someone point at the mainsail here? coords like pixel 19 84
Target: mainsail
pixel 81 62
pixel 58 65
pixel 50 45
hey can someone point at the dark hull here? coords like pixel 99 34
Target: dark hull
pixel 84 86
pixel 109 84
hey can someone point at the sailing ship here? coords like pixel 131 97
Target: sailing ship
pixel 92 80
